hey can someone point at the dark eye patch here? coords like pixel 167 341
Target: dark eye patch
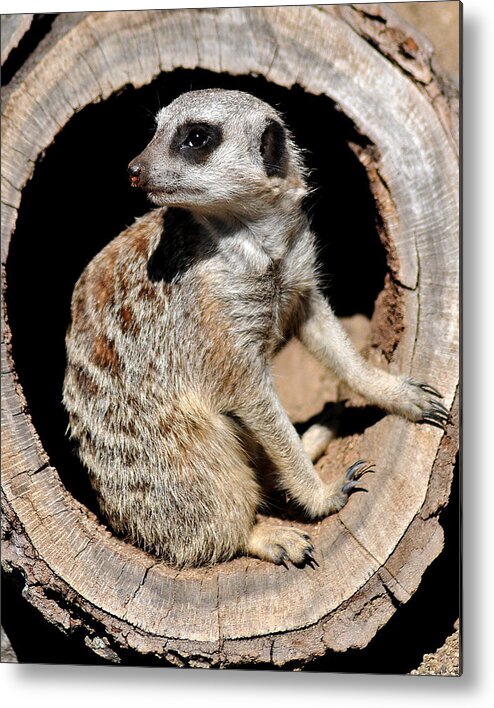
pixel 196 141
pixel 273 150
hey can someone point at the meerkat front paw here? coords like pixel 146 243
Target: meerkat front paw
pixel 421 404
pixel 279 544
pixel 338 493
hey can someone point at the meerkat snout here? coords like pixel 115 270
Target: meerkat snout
pixel 134 171
pixel 221 150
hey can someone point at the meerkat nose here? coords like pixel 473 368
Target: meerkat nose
pixel 134 171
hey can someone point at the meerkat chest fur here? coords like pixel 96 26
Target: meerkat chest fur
pixel 260 277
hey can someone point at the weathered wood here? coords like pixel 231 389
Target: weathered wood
pixel 13 28
pixel 373 553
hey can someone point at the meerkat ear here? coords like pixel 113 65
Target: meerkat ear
pixel 273 149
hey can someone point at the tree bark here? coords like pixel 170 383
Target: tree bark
pixel 121 601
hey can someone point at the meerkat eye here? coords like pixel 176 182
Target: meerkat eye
pixel 196 138
pixel 195 142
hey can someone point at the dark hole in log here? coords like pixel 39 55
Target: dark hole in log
pixel 79 198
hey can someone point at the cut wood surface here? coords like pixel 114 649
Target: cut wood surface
pixel 13 28
pixel 372 554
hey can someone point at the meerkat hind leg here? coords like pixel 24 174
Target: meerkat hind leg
pixel 318 436
pixel 316 439
pixel 279 544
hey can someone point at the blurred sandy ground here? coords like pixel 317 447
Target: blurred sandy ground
pixel 440 22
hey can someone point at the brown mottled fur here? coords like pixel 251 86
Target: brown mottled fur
pixel 174 324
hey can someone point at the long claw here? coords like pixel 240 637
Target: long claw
pixel 439 407
pixel 428 389
pixel 352 471
pixel 352 486
pixel 436 422
pixel 310 554
pixel 436 412
pixel 311 562
pixel 439 418
pixel 282 558
pixel 435 425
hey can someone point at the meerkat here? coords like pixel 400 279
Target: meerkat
pixel 174 324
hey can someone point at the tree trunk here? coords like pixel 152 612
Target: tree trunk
pixel 372 555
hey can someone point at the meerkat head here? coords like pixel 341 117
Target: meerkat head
pixel 219 151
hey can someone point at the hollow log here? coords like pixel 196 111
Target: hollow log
pixel 120 601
